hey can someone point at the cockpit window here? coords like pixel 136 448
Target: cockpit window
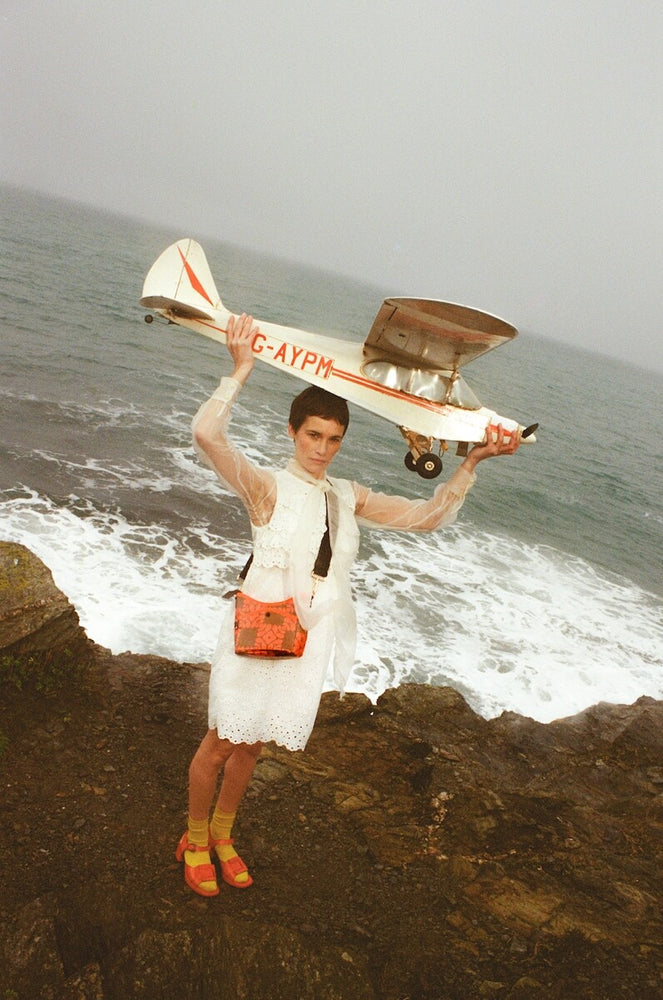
pixel 428 385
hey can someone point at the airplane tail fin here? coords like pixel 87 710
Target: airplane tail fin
pixel 181 282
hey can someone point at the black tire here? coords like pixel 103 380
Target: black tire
pixel 410 461
pixel 429 465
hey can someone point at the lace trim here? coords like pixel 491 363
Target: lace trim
pixel 273 541
pixel 292 737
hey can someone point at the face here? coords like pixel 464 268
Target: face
pixel 316 443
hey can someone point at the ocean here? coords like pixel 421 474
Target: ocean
pixel 546 595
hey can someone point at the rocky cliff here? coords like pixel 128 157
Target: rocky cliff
pixel 414 850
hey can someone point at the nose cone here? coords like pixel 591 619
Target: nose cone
pixel 527 434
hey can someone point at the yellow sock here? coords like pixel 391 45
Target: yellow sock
pixel 198 835
pixel 221 829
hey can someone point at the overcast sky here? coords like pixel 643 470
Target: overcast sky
pixel 503 154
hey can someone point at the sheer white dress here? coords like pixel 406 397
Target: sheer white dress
pixel 252 699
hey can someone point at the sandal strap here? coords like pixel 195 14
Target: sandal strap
pixel 234 867
pixel 222 841
pixel 186 845
pixel 201 873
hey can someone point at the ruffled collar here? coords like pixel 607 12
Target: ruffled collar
pixel 300 472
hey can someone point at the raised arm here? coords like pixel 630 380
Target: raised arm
pixel 403 514
pixel 255 487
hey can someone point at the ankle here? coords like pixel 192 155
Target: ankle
pixel 198 831
pixel 221 825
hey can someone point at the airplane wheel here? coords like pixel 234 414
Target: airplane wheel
pixel 410 461
pixel 429 466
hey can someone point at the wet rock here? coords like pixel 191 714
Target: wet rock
pixel 413 850
pixel 40 633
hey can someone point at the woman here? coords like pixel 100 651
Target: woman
pixel 253 700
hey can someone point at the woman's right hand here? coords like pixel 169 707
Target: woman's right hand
pixel 239 341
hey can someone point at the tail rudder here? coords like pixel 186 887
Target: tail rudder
pixel 180 281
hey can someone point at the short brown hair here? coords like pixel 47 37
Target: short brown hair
pixel 317 402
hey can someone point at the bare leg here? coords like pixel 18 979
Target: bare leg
pixel 236 775
pixel 237 761
pixel 204 770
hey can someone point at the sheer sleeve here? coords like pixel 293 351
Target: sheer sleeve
pixel 402 514
pixel 255 487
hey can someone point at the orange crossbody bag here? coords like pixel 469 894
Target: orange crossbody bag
pixel 272 629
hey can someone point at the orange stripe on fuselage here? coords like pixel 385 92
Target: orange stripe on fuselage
pixel 365 383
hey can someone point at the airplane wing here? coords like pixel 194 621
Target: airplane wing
pixel 430 334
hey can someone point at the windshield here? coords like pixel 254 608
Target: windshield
pixel 428 385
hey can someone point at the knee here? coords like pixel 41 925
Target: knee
pixel 247 752
pixel 212 752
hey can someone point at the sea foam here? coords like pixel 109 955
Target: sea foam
pixel 512 627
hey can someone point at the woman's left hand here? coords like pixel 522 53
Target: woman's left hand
pixel 498 442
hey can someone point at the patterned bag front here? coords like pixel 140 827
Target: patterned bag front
pixel 267 629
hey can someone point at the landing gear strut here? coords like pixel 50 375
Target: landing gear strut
pixel 420 458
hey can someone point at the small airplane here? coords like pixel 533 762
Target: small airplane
pixel 407 369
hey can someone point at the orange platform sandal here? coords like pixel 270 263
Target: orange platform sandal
pixel 233 867
pixel 196 875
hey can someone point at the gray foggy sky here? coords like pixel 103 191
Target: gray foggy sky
pixel 507 155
